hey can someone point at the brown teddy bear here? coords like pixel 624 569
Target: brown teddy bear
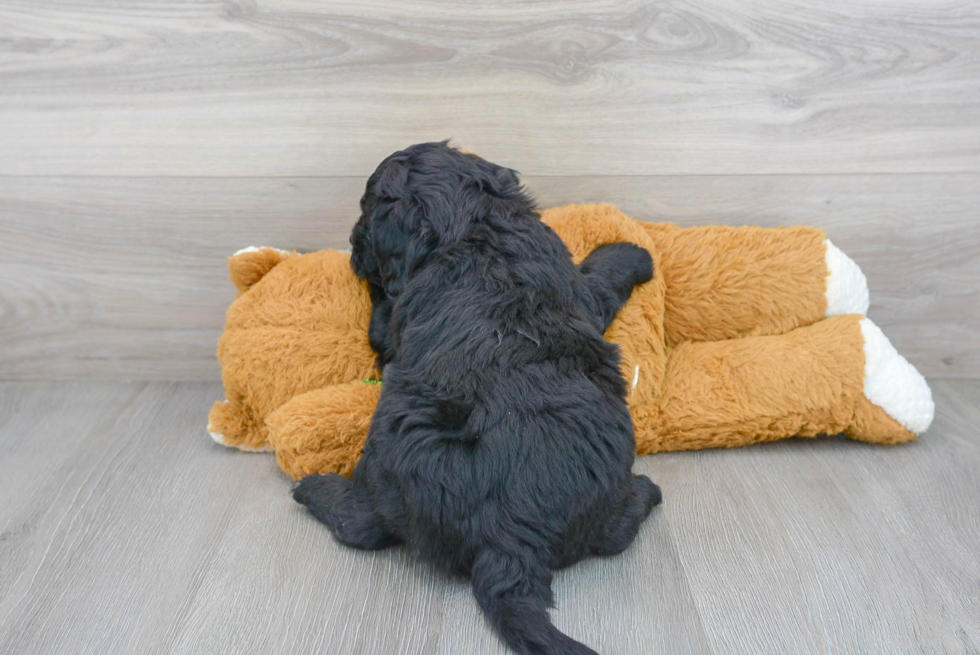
pixel 743 335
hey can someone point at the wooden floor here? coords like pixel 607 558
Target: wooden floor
pixel 125 529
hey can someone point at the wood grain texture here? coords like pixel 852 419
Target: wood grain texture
pixel 142 143
pixel 127 277
pixel 861 549
pixel 303 87
pixel 124 528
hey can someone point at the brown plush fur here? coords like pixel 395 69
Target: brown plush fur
pixel 301 327
pixel 728 345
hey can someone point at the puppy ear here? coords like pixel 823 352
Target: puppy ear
pixel 497 180
pixel 362 258
pixel 508 177
pixel 391 179
pixel 407 238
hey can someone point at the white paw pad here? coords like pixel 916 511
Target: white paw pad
pixel 847 288
pixel 220 438
pixel 893 384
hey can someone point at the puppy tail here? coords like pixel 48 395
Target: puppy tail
pixel 515 594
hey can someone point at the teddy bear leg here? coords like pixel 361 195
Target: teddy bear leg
pixel 839 375
pixel 323 431
pixel 891 386
pixel 726 282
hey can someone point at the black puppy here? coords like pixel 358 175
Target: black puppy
pixel 501 446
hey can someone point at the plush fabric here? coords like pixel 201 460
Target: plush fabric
pixel 729 344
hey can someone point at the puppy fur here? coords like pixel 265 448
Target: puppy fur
pixel 501 446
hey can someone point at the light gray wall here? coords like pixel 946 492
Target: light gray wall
pixel 142 143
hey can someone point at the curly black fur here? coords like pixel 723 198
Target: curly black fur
pixel 501 447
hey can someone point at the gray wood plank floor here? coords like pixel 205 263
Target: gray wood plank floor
pixel 143 142
pixel 124 529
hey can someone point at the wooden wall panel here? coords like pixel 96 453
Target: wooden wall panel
pixel 627 87
pixel 142 142
pixel 126 277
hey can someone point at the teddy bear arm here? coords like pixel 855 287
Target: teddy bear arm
pixel 323 431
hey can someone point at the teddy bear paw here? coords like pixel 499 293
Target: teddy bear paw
pixel 847 288
pixel 220 438
pixel 893 384
pixel 217 436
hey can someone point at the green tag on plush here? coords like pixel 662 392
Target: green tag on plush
pixel 372 381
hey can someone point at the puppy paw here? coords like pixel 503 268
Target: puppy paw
pixel 623 264
pixel 320 489
pixel 634 261
pixel 322 496
pixel 621 531
pixel 646 493
pixel 353 522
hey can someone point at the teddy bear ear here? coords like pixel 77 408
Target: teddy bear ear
pixel 248 266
